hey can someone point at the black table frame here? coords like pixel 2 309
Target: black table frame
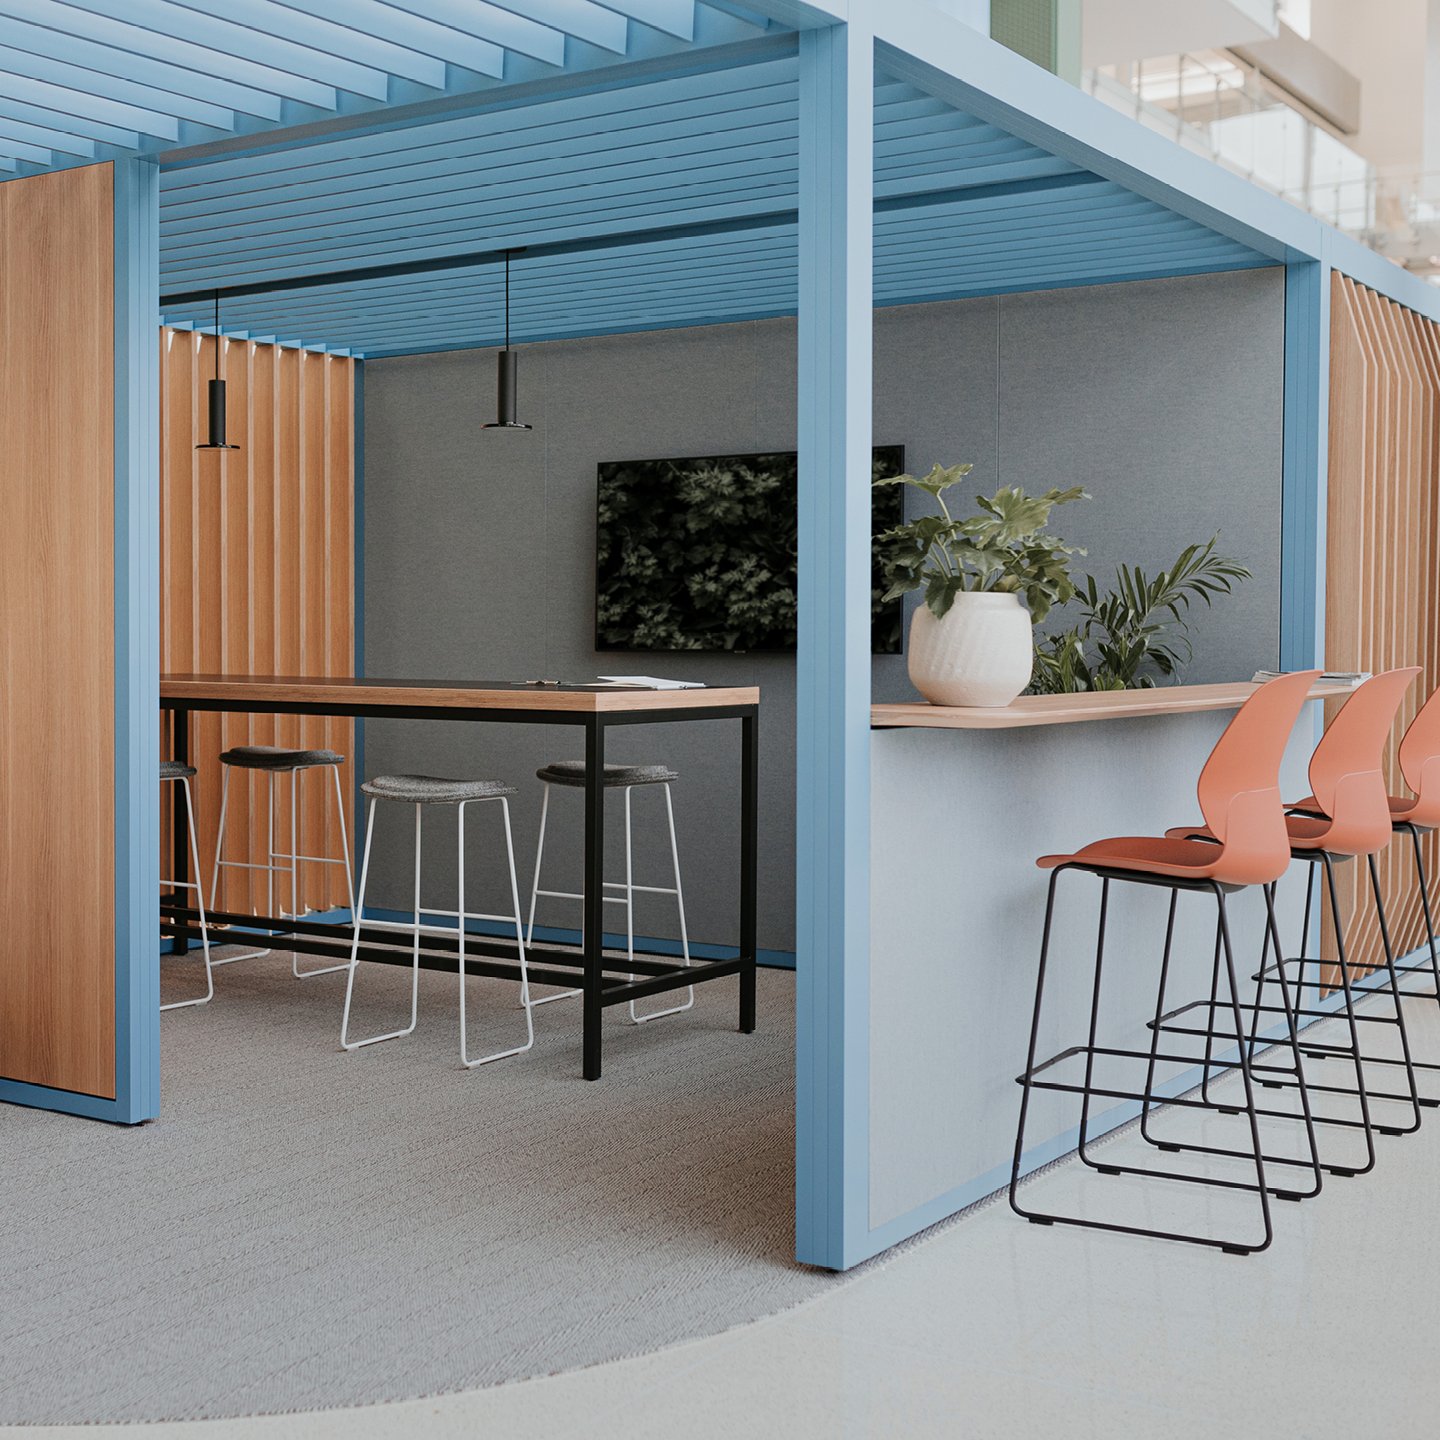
pixel 496 956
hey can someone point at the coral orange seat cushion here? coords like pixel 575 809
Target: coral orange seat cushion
pixel 1152 854
pixel 1306 829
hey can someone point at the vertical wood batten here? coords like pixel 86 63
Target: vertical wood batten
pixel 257 581
pixel 1383 593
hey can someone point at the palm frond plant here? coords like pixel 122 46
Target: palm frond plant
pixel 1003 549
pixel 1139 633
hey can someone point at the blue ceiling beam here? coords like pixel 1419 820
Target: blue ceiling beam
pixel 589 22
pixel 714 94
pixel 948 175
pixel 676 75
pixel 673 17
pixel 80 127
pixel 162 77
pixel 366 217
pixel 537 293
pixel 466 212
pixel 484 21
pixel 48 137
pixel 289 23
pixel 20 150
pixel 401 28
pixel 179 33
pixel 86 106
pixel 485 168
pixel 1033 284
pixel 444 203
pixel 142 99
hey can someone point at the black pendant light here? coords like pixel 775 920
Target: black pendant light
pixel 217 395
pixel 506 387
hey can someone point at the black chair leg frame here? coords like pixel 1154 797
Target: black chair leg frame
pixel 1035 1075
pixel 1253 1046
pixel 1389 986
pixel 1277 1078
pixel 1432 970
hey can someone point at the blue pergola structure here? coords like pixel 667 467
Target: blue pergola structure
pixel 350 174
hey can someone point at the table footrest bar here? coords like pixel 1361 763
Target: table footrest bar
pixel 644 962
pixel 676 980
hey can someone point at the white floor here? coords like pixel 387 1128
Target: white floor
pixel 993 1327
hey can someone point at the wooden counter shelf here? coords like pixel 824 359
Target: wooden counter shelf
pixel 1074 709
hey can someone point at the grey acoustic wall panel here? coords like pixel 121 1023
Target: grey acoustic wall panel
pixel 1162 397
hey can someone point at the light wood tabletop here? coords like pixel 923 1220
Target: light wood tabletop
pixel 1073 709
pixel 250 691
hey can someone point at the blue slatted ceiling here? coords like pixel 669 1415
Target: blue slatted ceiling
pixel 963 209
pixel 82 80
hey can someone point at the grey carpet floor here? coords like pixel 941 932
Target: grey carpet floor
pixel 304 1228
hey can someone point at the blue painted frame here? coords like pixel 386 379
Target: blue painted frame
pixel 1306 454
pixel 137 666
pixel 833 666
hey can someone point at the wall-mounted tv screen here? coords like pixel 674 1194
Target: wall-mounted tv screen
pixel 699 553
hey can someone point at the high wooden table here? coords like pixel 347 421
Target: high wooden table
pixel 593 709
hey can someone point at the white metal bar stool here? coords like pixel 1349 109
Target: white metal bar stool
pixel 176 773
pixel 420 791
pixel 273 760
pixel 570 774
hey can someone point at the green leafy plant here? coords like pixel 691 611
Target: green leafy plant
pixel 1139 633
pixel 1004 548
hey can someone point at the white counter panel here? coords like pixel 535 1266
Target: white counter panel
pixel 957 910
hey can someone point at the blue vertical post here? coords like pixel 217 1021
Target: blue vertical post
pixel 137 640
pixel 833 743
pixel 1306 462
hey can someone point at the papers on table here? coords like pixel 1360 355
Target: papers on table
pixel 1329 677
pixel 650 682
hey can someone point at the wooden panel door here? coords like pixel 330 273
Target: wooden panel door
pixel 57 639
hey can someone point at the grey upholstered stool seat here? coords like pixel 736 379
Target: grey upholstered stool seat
pixel 433 789
pixel 572 772
pixel 274 757
pixel 176 770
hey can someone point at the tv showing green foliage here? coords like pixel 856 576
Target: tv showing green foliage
pixel 699 553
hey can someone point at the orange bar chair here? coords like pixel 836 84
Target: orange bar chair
pixel 1347 816
pixel 1239 795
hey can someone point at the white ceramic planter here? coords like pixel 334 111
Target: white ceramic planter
pixel 981 653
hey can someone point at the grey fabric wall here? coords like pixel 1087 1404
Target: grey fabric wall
pixel 1163 398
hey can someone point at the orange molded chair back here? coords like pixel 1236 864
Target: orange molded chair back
pixel 1346 775
pixel 1420 764
pixel 1239 788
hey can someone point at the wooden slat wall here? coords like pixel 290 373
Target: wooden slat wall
pixel 1382 586
pixel 57 637
pixel 258 552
